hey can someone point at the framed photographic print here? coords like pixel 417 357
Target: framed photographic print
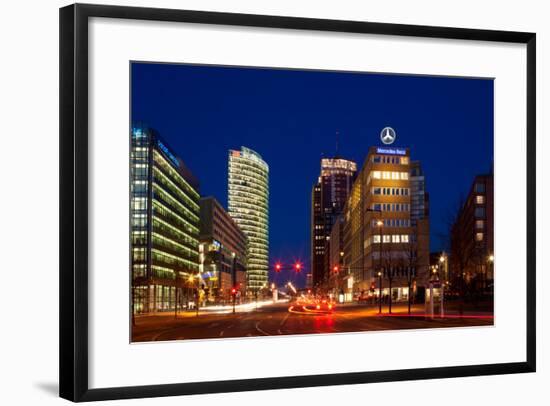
pixel 256 202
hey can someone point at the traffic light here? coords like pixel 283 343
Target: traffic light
pixel 336 269
pixel 233 291
pixel 277 267
pixel 298 266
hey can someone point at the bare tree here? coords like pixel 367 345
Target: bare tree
pixel 411 264
pixel 462 251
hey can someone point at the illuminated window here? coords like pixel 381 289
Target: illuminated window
pixel 386 238
pixel 376 174
pixel 479 236
pixel 479 224
pixel 480 199
pixel 404 238
pixel 395 238
pixel 386 175
pixel 404 175
pixel 376 239
pixel 405 160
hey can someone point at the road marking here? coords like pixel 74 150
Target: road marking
pixel 221 333
pixel 284 319
pixel 230 326
pixel 211 325
pixel 260 330
pixel 279 331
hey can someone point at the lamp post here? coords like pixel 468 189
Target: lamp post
pixel 443 260
pixel 176 295
pixel 432 281
pixel 380 223
pixel 191 281
pixel 233 280
pixel 379 292
pixel 491 261
pixel 197 295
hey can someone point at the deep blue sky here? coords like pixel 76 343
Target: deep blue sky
pixel 290 117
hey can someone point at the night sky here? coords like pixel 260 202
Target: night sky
pixel 291 117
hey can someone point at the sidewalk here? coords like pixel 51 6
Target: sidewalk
pixel 450 308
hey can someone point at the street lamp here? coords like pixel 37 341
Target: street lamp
pixel 380 223
pixel 191 280
pixel 434 272
pixel 491 260
pixel 234 280
pixel 443 260
pixel 379 292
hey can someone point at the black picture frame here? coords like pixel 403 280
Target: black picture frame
pixel 73 300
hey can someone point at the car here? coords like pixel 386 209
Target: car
pixel 325 305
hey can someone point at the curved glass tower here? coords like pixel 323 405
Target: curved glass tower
pixel 248 191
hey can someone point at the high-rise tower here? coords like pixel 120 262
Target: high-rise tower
pixel 328 197
pixel 248 197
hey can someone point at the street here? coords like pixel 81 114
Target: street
pixel 276 319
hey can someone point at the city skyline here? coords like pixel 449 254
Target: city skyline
pixel 282 143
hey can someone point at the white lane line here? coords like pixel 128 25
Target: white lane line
pixel 211 325
pixel 221 333
pixel 260 330
pixel 230 326
pixel 284 319
pixel 279 331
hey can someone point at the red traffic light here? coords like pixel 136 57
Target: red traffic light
pixel 233 291
pixel 298 266
pixel 336 269
pixel 277 267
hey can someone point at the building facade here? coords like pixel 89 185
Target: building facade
pixel 164 221
pixel 222 252
pixel 328 197
pixel 383 242
pixel 248 201
pixel 472 237
pixel 420 208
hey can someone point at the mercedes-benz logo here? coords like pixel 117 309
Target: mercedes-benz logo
pixel 387 135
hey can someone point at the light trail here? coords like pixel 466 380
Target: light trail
pixel 242 308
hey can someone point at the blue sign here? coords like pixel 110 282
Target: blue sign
pixel 391 151
pixel 168 154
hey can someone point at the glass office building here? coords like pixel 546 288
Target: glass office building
pixel 248 190
pixel 164 222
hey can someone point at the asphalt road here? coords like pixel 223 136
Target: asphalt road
pixel 275 319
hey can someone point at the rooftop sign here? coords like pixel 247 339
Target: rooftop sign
pixel 388 135
pixel 167 153
pixel 391 151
